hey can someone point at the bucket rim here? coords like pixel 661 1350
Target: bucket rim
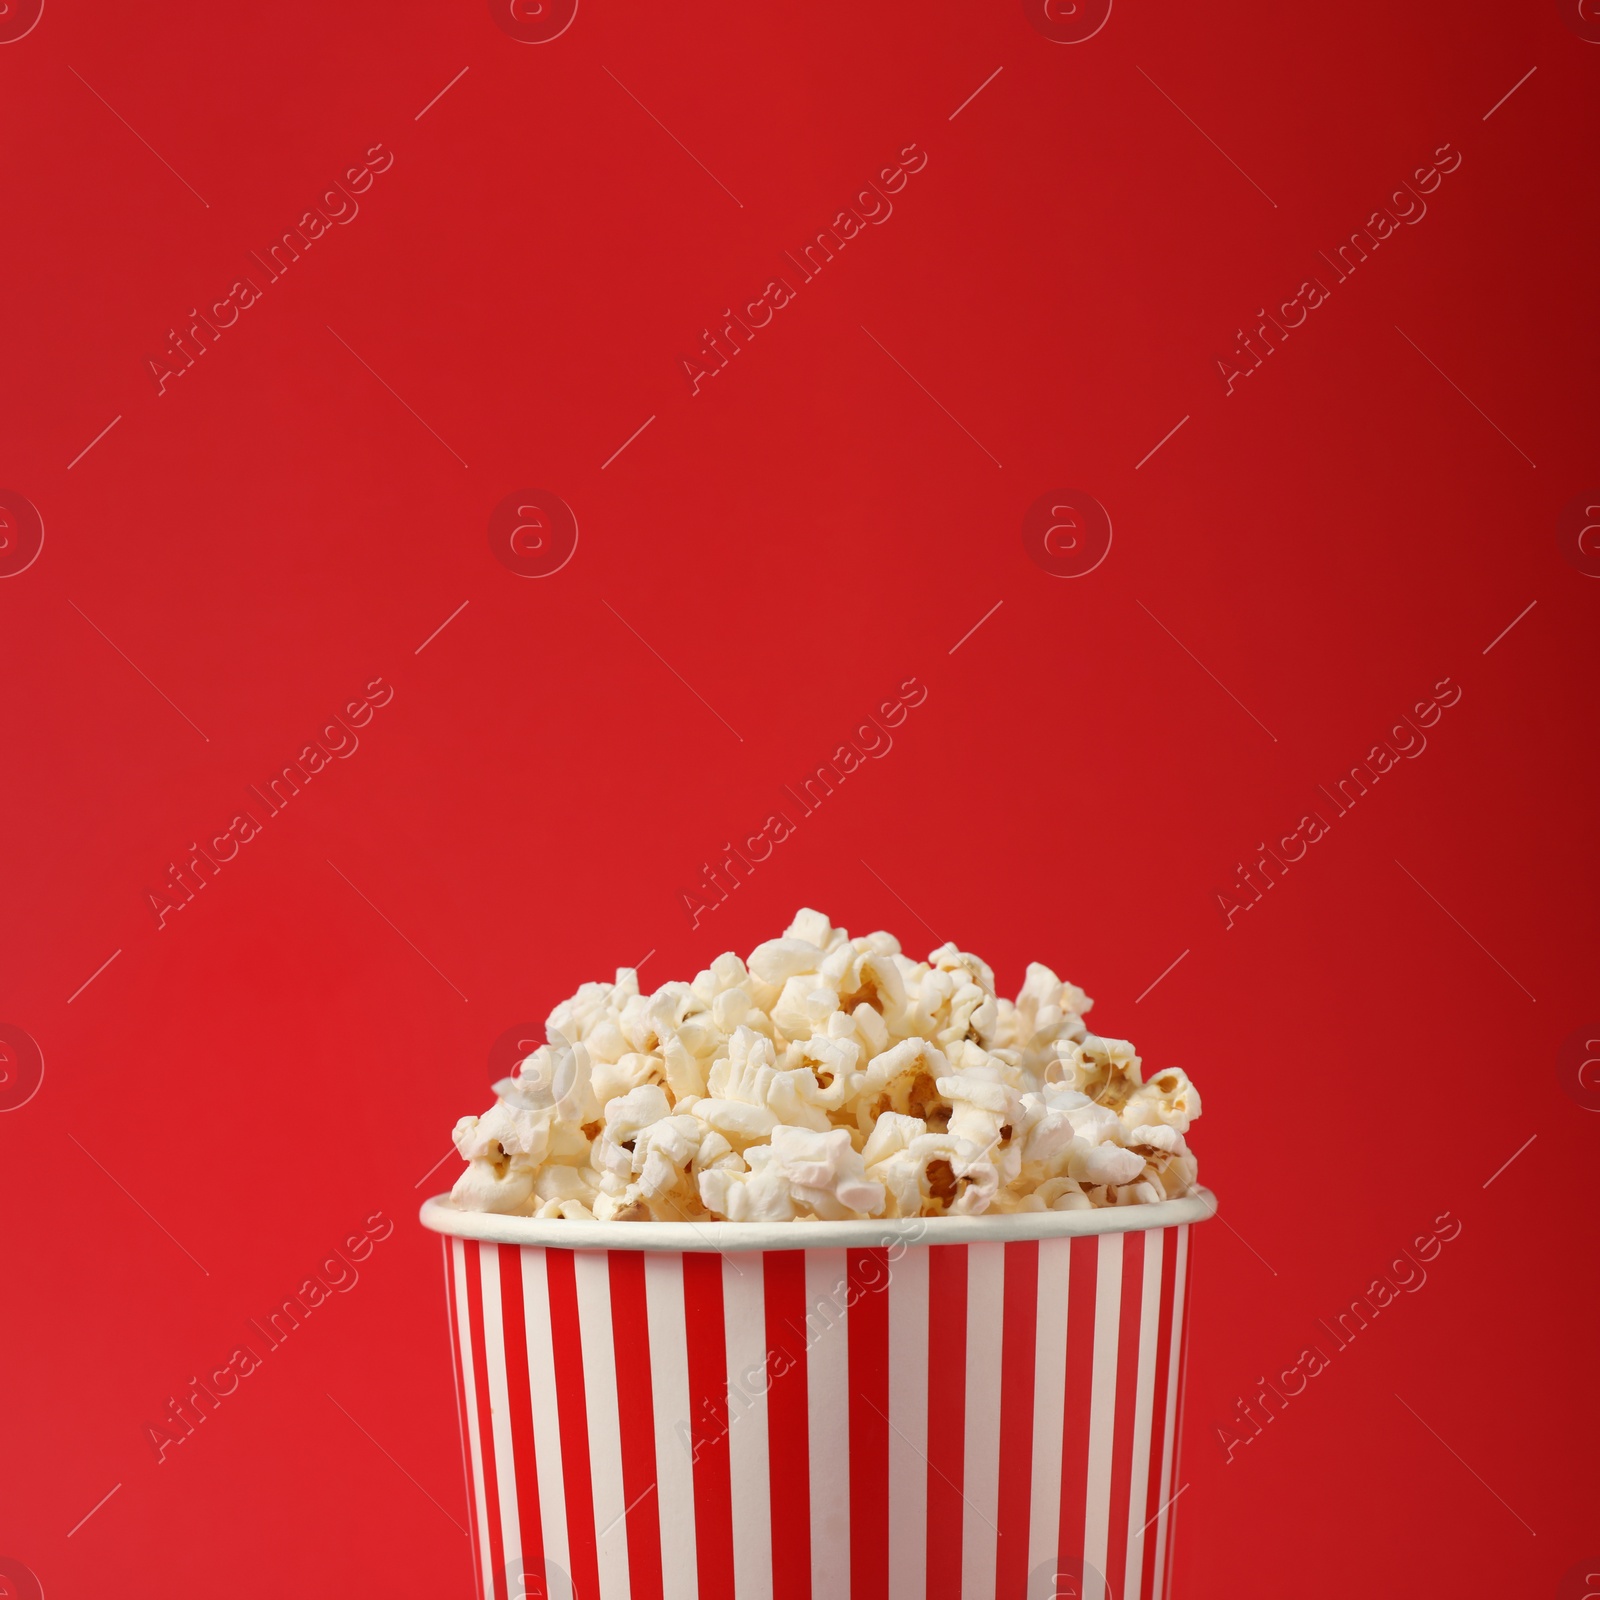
pixel 440 1215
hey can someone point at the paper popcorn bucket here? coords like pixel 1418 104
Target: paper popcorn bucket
pixel 934 1409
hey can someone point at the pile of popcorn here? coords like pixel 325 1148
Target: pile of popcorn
pixel 832 1078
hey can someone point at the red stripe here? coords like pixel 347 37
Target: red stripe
pixel 1126 1415
pixel 708 1423
pixel 1079 1389
pixel 947 1415
pixel 867 1273
pixel 1158 1411
pixel 450 1248
pixel 635 1411
pixel 566 1344
pixel 1018 1339
pixel 788 1427
pixel 513 1323
pixel 480 1375
pixel 1180 1354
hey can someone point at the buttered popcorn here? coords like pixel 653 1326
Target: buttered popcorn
pixel 826 1078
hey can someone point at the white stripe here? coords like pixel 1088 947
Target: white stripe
pixel 669 1387
pixel 744 1313
pixel 1150 1333
pixel 451 1246
pixel 1049 1401
pixel 1102 1409
pixel 494 1350
pixel 1169 1464
pixel 546 1421
pixel 828 1422
pixel 592 1277
pixel 908 1425
pixel 980 1467
pixel 469 1381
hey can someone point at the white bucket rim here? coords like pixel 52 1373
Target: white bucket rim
pixel 440 1215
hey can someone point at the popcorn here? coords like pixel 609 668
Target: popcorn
pixel 827 1078
pixel 485 1187
pixel 823 1173
pixel 937 1174
pixel 1169 1098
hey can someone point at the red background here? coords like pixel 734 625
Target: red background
pixel 288 1053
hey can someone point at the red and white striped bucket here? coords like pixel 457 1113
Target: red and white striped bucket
pixel 974 1408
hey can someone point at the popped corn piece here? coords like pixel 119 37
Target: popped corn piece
pixel 762 1193
pixel 569 1144
pixel 1105 1163
pixel 1179 1177
pixel 1042 1131
pixel 1107 1070
pixel 1168 1097
pixel 573 1019
pixel 813 928
pixel 664 1153
pixel 1094 1124
pixel 1064 1194
pixel 671 1006
pixel 970 1012
pixel 805 1003
pixel 971 1015
pixel 981 1106
pixel 566 1183
pixel 505 1133
pixel 891 1134
pixel 1048 1009
pixel 907 1075
pixel 622 1207
pixel 741 1124
pixel 699 1034
pixel 830 1066
pixel 749 1074
pixel 730 1008
pixel 726 972
pixel 871 1028
pixel 1156 1135
pixel 608 1079
pixel 626 1118
pixel 934 1175
pixel 505 1191
pixel 924 995
pixel 778 960
pixel 872 977
pixel 682 1068
pixel 825 1173
pixel 947 958
pixel 890 1079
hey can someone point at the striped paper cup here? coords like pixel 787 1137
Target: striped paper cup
pixel 960 1408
